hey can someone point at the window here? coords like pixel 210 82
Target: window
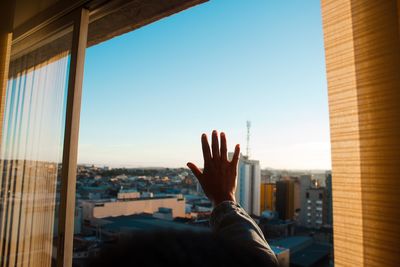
pixel 125 150
pixel 36 124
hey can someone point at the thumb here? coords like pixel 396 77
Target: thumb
pixel 195 170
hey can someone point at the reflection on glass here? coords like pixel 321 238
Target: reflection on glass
pixel 31 155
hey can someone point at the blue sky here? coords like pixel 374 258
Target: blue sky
pixel 149 94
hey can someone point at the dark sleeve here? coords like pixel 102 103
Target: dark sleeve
pixel 231 222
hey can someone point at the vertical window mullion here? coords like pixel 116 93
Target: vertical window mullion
pixel 70 150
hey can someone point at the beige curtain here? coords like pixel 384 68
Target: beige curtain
pixel 30 157
pixel 362 49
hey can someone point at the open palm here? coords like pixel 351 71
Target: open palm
pixel 218 178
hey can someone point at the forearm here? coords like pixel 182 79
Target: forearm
pixel 231 222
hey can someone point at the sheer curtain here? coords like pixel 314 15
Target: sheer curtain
pixel 31 155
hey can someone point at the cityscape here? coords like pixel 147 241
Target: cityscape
pixel 292 208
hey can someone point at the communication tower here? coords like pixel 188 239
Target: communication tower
pixel 248 124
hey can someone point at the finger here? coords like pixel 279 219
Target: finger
pixel 206 148
pixel 215 145
pixel 224 150
pixel 195 170
pixel 235 158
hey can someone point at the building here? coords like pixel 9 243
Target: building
pixel 112 228
pixel 296 197
pixel 123 206
pixel 78 220
pixel 329 212
pixel 285 199
pixel 128 194
pixel 304 251
pixel 248 184
pixel 305 184
pixel 275 228
pixel 267 196
pixel 316 207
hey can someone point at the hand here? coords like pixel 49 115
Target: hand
pixel 218 178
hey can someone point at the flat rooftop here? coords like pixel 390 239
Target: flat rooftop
pixel 145 222
pixel 310 255
pixel 96 201
pixel 303 251
pixel 278 250
pixel 292 242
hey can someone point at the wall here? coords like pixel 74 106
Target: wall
pixel 120 208
pixel 267 196
pixel 285 199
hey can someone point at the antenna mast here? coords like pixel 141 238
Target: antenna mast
pixel 248 124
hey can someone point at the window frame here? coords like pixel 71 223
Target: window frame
pixel 76 22
pixel 37 29
pixel 71 135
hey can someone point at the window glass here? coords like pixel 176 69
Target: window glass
pixel 149 94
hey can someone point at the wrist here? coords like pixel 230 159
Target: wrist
pixel 218 201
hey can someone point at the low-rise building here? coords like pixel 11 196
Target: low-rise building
pixel 124 206
pixel 304 251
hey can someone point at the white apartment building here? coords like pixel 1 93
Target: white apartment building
pixel 248 184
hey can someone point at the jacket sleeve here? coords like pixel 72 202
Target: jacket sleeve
pixel 230 221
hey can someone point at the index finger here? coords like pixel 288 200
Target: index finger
pixel 235 157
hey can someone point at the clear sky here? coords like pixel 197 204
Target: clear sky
pixel 149 94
